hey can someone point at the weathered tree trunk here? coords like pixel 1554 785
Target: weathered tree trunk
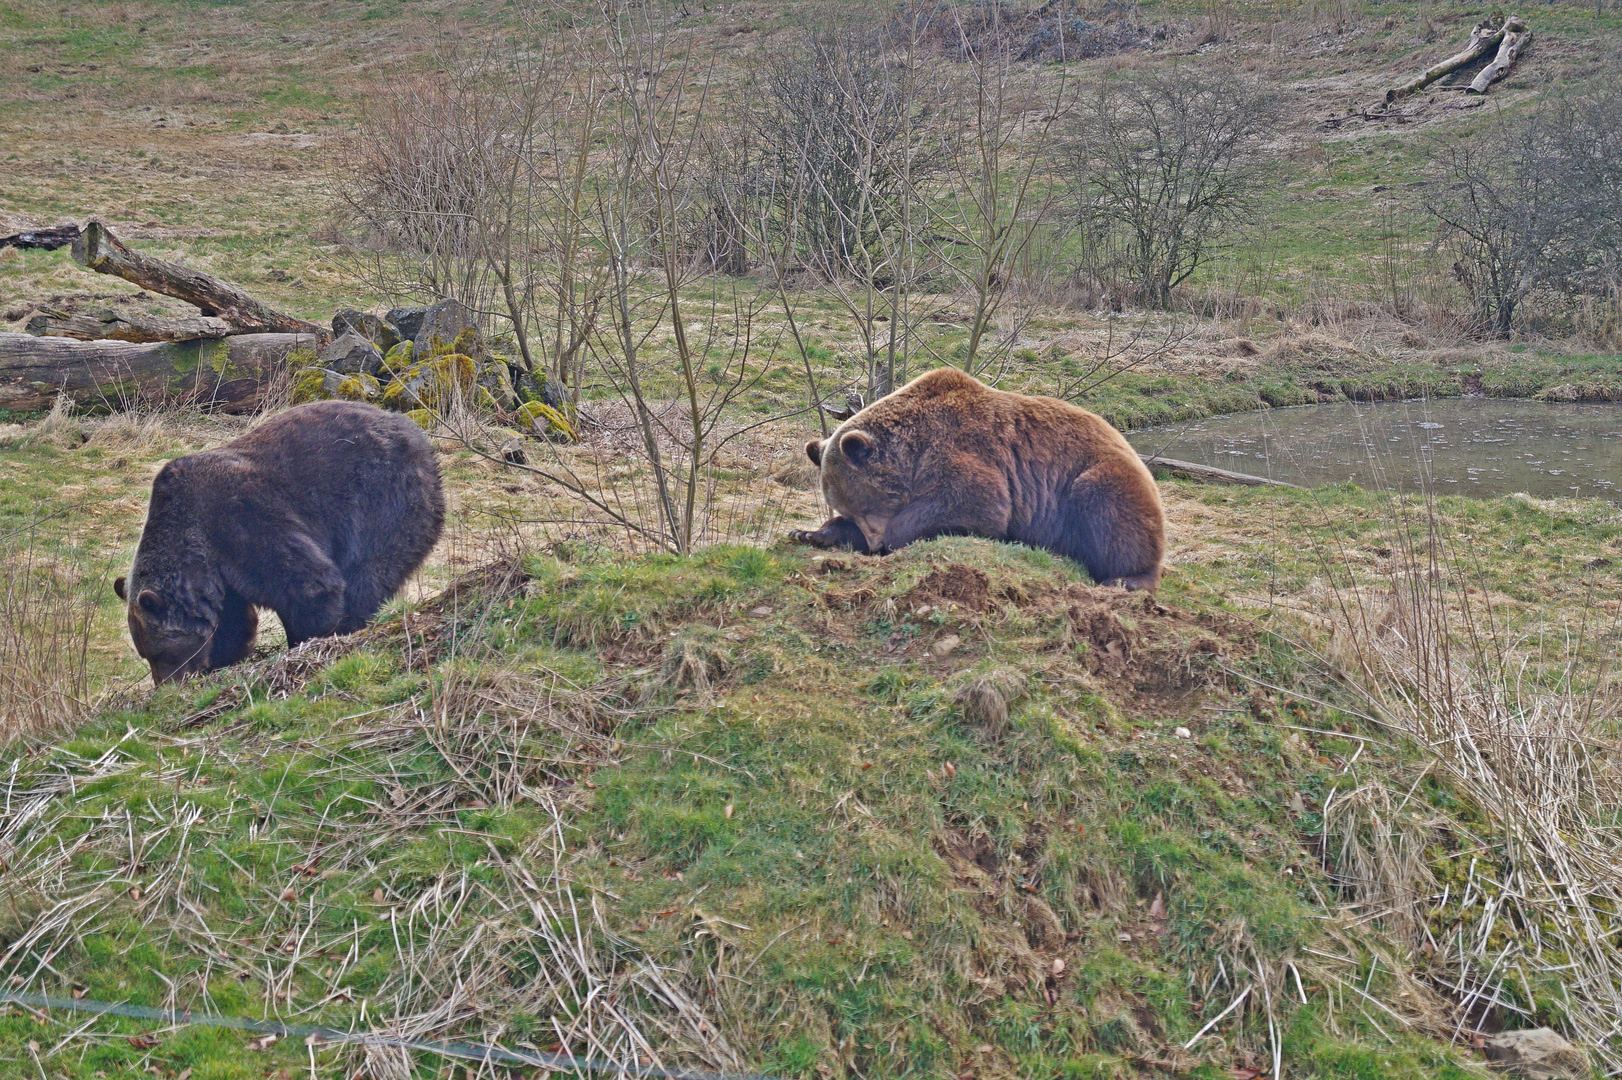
pixel 47 239
pixel 1482 38
pixel 225 373
pixel 108 325
pixel 99 250
pixel 1516 38
pixel 1209 474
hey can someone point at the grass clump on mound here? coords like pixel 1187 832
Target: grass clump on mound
pixel 951 811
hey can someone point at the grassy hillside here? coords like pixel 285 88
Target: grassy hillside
pixel 1052 850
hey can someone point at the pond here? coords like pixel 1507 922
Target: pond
pixel 1462 446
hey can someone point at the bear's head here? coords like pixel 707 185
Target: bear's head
pixel 857 482
pixel 173 641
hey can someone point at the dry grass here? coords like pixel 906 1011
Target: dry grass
pixel 504 932
pixel 602 490
pixel 46 623
pixel 1509 901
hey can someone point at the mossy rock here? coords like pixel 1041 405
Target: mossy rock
pixel 548 391
pixel 427 419
pixel 398 358
pixel 450 327
pixel 357 387
pixel 301 357
pixel 323 384
pixel 497 382
pixel 436 383
pixel 546 422
pixel 309 384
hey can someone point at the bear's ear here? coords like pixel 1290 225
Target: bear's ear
pixel 149 601
pixel 813 450
pixel 857 446
pixel 118 587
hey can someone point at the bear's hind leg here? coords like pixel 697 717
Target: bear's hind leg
pixel 363 595
pixel 836 532
pixel 315 606
pixel 1114 526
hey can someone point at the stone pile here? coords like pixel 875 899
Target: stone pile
pixel 422 362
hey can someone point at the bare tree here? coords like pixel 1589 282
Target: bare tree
pixel 843 128
pixel 647 201
pixel 1166 165
pixel 1585 142
pixel 1510 209
pixel 999 195
pixel 830 125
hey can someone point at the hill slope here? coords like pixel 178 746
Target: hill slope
pixel 952 812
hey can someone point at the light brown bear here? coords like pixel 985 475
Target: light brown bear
pixel 948 455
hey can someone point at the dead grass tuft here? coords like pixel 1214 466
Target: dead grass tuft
pixel 986 698
pixel 1524 738
pixel 46 622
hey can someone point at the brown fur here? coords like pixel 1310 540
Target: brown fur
pixel 947 454
pixel 320 514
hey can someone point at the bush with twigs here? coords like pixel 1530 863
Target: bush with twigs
pixel 1167 167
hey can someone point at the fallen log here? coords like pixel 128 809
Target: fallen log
pixel 47 239
pixel 99 250
pixel 108 325
pixel 1209 474
pixel 227 374
pixel 1516 38
pixel 1482 38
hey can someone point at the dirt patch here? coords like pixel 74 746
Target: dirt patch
pixel 966 586
pixel 1154 650
pixel 1021 926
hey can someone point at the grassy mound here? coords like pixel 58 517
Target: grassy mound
pixel 955 811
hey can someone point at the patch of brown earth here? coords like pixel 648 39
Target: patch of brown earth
pixel 1153 649
pixel 955 583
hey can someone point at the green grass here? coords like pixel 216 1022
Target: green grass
pixel 820 811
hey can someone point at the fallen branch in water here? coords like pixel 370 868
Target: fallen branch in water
pixel 1209 474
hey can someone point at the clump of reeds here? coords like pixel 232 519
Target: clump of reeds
pixel 46 617
pixel 1523 920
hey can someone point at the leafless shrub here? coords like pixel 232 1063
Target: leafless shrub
pixel 1044 33
pixel 1528 209
pixel 418 186
pixel 995 212
pixel 832 130
pixel 847 147
pixel 1166 165
pixel 469 183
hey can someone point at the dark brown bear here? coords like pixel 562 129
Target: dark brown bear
pixel 948 455
pixel 320 514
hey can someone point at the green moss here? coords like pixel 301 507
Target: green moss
pixel 436 384
pixel 426 419
pixel 398 359
pixel 546 422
